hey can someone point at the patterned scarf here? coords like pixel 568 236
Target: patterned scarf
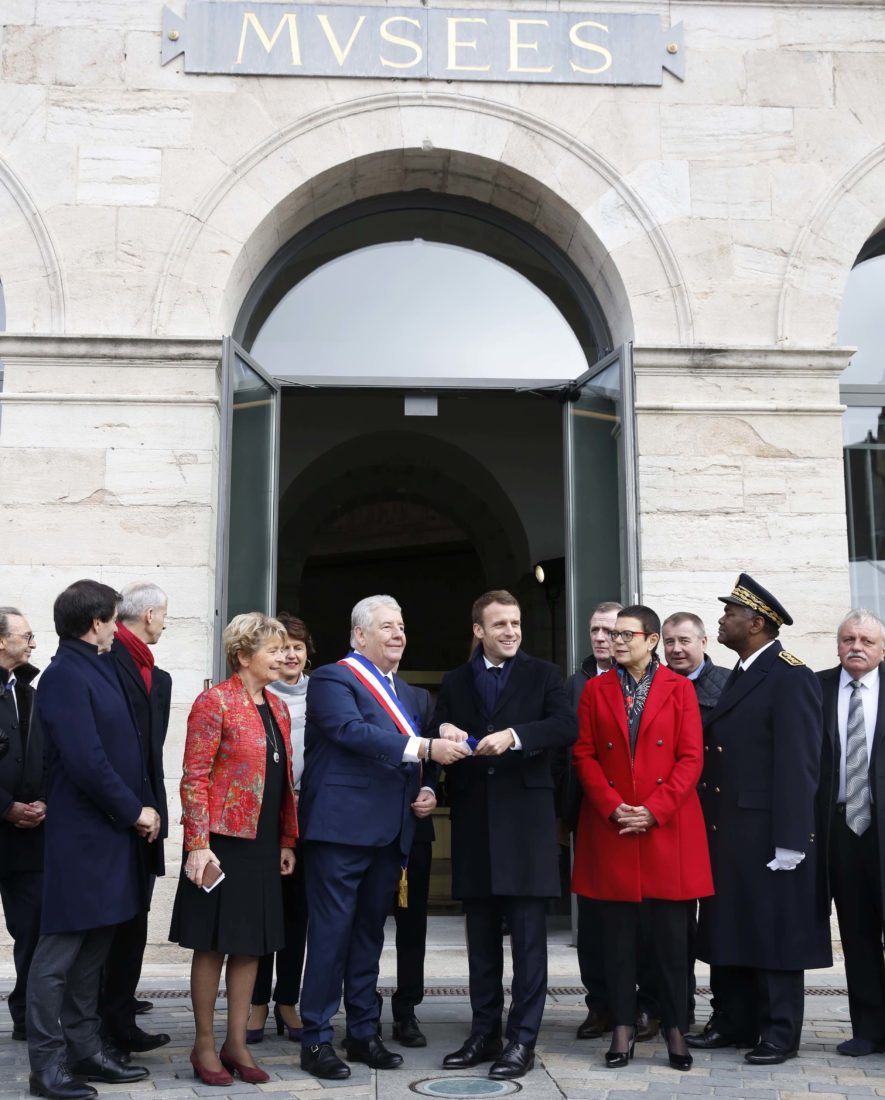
pixel 635 696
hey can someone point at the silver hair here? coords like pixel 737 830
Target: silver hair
pixel 860 615
pixel 364 611
pixel 138 597
pixel 5 612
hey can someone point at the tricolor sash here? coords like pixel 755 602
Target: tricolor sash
pixel 373 681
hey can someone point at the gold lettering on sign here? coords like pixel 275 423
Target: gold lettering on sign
pixel 250 19
pixel 593 47
pixel 455 45
pixel 340 54
pixel 516 45
pixel 395 40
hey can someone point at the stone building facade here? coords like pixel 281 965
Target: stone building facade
pixel 714 219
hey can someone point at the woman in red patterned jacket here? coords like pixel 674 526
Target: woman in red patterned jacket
pixel 238 812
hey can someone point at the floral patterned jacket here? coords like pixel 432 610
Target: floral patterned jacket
pixel 222 783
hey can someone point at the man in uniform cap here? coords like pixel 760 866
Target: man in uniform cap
pixel 768 919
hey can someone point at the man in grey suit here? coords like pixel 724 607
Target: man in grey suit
pixel 852 792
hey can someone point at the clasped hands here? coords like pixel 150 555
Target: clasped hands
pixel 493 744
pixel 26 815
pixel 632 819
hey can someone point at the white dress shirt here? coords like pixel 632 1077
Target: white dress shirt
pixel 869 694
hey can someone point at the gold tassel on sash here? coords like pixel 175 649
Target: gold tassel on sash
pixel 403 895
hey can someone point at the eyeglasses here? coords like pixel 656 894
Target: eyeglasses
pixel 627 635
pixel 27 637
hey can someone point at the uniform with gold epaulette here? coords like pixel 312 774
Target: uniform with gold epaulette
pixel 761 766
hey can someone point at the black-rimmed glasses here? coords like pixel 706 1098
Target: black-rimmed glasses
pixel 627 635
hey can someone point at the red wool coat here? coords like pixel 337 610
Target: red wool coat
pixel 671 859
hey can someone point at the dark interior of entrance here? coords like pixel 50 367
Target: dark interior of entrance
pixel 433 509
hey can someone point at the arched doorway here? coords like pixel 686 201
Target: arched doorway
pixel 469 328
pixel 402 326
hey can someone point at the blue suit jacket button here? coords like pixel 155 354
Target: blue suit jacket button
pixel 491 771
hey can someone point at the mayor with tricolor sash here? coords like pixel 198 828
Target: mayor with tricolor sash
pixel 368 776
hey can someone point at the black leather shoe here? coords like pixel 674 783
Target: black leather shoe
pixel 102 1066
pixel 515 1061
pixel 767 1054
pixel 713 1040
pixel 322 1061
pixel 373 1052
pixel 595 1025
pixel 143 1006
pixel 477 1048
pixel 408 1034
pixel 647 1027
pixel 138 1041
pixel 56 1083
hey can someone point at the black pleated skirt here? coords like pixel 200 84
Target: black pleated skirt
pixel 243 915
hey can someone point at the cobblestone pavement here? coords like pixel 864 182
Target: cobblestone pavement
pixel 565 1067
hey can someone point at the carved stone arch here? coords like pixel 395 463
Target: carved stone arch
pixel 30 270
pixel 431 472
pixel 445 142
pixel 845 218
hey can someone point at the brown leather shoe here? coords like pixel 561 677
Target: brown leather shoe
pixel 647 1027
pixel 596 1023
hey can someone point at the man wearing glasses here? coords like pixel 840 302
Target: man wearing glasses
pixel 22 803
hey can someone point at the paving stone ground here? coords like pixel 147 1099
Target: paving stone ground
pixel 565 1067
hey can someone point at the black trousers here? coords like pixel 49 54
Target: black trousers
pixel 856 882
pixel 122 972
pixel 22 897
pixel 661 928
pixel 527 920
pixel 62 1019
pixel 411 934
pixel 290 960
pixel 754 1003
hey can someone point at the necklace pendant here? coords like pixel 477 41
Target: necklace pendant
pixel 276 758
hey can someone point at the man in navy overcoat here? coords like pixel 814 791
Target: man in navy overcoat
pixel 101 803
pixel 361 794
pixel 505 854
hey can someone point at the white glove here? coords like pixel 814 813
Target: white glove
pixel 785 859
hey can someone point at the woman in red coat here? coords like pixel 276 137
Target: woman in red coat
pixel 641 844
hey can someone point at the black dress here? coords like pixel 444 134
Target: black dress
pixel 243 915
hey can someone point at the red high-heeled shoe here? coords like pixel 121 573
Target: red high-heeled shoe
pixel 209 1076
pixel 252 1075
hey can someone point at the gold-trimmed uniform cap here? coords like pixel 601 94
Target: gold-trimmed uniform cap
pixel 749 593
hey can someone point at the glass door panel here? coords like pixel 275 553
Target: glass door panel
pixel 247 519
pixel 602 543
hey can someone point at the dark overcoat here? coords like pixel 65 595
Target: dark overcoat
pixel 97 786
pixel 503 818
pixel 758 791
pixel 22 776
pixel 355 789
pixel 831 763
pixel 151 712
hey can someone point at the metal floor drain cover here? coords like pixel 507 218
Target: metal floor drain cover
pixel 464 1087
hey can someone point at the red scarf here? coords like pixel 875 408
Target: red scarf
pixel 140 652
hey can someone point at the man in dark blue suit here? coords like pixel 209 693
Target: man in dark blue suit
pixel 361 794
pixel 768 920
pixel 505 855
pixel 93 880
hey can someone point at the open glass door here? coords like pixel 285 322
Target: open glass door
pixel 249 450
pixel 602 524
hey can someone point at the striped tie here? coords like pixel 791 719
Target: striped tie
pixel 857 766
